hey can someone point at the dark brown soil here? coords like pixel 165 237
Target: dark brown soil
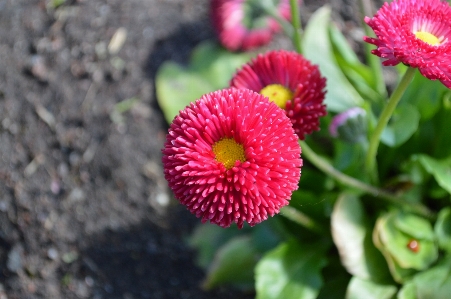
pixel 84 209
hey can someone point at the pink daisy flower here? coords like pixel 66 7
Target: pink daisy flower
pixel 243 24
pixel 416 33
pixel 232 156
pixel 292 82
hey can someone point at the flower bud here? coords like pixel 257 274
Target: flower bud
pixel 350 126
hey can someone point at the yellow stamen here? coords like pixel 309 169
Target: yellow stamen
pixel 227 151
pixel 428 38
pixel 278 94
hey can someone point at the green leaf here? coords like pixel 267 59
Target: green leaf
pixel 233 264
pixel 336 280
pixel 55 3
pixel 265 236
pixel 352 237
pixel 425 95
pixel 360 75
pixel 290 271
pixel 440 169
pixel 399 274
pixel 442 123
pixel 442 229
pixel 307 202
pixel 176 87
pixel 216 64
pixel 402 126
pixel 414 226
pixel 211 68
pixel 349 157
pixel 433 283
pixel 341 95
pixel 398 230
pixel 207 239
pixel 359 288
pixel 407 292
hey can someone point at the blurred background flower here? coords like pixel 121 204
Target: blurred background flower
pixel 247 24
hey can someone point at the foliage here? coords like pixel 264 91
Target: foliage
pixel 375 235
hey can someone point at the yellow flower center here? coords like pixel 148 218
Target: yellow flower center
pixel 428 38
pixel 227 151
pixel 278 94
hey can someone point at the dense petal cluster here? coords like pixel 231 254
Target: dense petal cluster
pixel 302 80
pixel 267 168
pixel 243 25
pixel 415 33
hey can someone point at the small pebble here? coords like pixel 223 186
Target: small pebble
pixel 14 262
pixel 52 253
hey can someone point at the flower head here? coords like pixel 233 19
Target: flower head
pixel 244 24
pixel 232 156
pixel 350 125
pixel 415 33
pixel 292 82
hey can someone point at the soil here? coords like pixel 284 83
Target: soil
pixel 84 209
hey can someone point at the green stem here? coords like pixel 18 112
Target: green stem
pixel 296 21
pixel 370 161
pixel 328 169
pixel 302 219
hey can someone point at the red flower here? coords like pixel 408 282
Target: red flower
pixel 292 82
pixel 232 156
pixel 243 24
pixel 416 33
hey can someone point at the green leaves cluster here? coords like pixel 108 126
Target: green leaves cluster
pixel 360 245
pixel 211 68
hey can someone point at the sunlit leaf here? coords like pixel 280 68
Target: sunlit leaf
pixel 365 289
pixel 341 95
pixel 399 274
pixel 216 64
pixel 211 68
pixel 176 87
pixel 290 271
pixel 407 291
pixel 359 74
pixel 352 237
pixel 414 226
pixel 407 242
pixel 433 283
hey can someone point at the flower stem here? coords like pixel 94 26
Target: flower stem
pixel 296 21
pixel 302 219
pixel 328 169
pixel 387 112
